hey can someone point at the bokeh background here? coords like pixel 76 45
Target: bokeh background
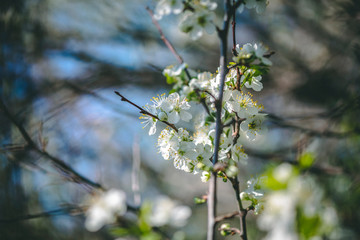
pixel 61 61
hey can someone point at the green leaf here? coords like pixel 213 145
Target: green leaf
pixel 306 160
pixel 199 200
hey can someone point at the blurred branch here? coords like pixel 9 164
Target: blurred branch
pixel 12 147
pixel 227 216
pixel 65 169
pixel 72 210
pixel 329 134
pixel 80 90
pixel 165 40
pixel 279 156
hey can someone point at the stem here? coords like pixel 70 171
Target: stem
pixel 223 33
pixel 242 212
pixel 177 56
pixel 143 111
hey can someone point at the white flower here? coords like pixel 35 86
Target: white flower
pixel 252 126
pixel 242 105
pixel 252 82
pixel 195 22
pixel 238 153
pixel 209 5
pixel 260 50
pixel 166 211
pixel 179 147
pixel 175 108
pixel 165 7
pixel 254 194
pixel 149 120
pixel 248 51
pixel 259 5
pixel 205 176
pixel 105 209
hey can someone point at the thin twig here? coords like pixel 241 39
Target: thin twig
pixel 165 40
pixel 227 216
pixel 61 211
pixel 143 111
pixel 242 211
pixel 177 55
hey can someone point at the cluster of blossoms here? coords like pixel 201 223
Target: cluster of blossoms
pixel 198 15
pixel 183 150
pixel 169 109
pixel 193 152
pixel 165 211
pixel 105 208
pixel 295 202
pixel 259 5
pixel 254 194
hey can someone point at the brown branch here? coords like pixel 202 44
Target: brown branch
pixel 242 211
pixel 227 216
pixel 165 40
pixel 65 169
pixel 177 56
pixel 61 211
pixel 329 134
pixel 143 111
pixel 233 23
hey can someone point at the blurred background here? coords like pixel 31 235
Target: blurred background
pixel 61 61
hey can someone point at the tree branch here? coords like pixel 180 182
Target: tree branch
pixel 177 55
pixel 65 169
pixel 143 111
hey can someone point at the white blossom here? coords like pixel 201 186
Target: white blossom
pixel 196 22
pixel 205 176
pixel 249 50
pixel 149 120
pixel 259 5
pixel 252 126
pixel 166 211
pixel 175 108
pixel 166 7
pixel 238 153
pixel 105 209
pixel 254 194
pixel 242 105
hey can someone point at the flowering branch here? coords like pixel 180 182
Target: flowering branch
pixel 143 111
pixel 176 54
pixel 223 33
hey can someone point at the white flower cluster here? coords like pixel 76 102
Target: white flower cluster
pixel 166 211
pixel 183 150
pixel 259 5
pixel 105 209
pixel 288 210
pixel 170 109
pixel 186 150
pixel 254 194
pixel 196 16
